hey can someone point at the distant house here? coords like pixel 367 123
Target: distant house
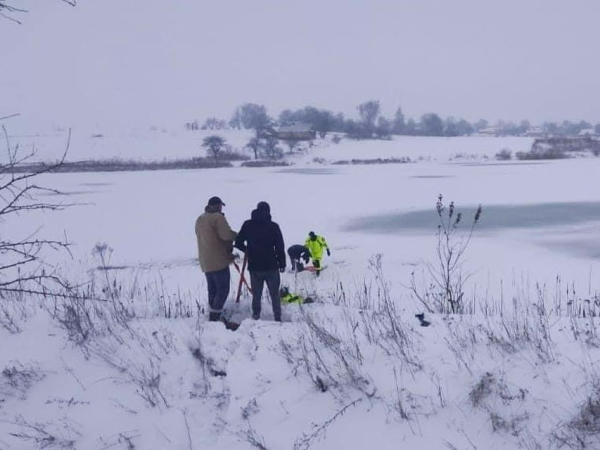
pixel 535 132
pixel 489 131
pixel 297 132
pixel 587 132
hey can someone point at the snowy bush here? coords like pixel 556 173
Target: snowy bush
pixel 260 163
pixel 51 435
pixel 229 154
pixel 16 379
pixel 546 153
pixel 582 431
pixel 337 138
pixel 15 308
pixel 442 288
pixel 402 160
pixel 271 149
pixel 504 155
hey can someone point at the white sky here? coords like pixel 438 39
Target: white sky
pixel 163 62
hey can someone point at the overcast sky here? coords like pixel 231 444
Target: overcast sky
pixel 143 62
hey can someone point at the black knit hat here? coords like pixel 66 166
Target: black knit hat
pixel 215 201
pixel 263 206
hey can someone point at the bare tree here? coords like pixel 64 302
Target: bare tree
pixel 213 123
pixel 383 130
pixel 272 149
pixel 22 268
pixel 255 145
pixel 369 111
pixel 7 11
pixel 255 117
pixel 292 143
pixel 399 123
pixel 213 145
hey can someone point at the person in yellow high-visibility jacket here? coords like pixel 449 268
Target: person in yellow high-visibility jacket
pixel 316 244
pixel 287 298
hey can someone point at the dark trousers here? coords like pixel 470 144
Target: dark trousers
pixel 317 265
pixel 257 282
pixel 218 290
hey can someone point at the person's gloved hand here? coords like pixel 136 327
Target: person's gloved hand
pixel 328 252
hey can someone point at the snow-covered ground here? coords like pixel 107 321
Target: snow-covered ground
pixel 154 144
pixel 355 369
pixel 160 143
pixel 418 148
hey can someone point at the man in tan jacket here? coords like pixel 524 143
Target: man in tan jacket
pixel 215 247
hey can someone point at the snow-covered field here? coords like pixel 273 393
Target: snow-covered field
pixel 354 370
pixel 154 144
pixel 160 143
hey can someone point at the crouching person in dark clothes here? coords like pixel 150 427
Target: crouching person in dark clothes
pixel 261 239
pixel 296 253
pixel 215 247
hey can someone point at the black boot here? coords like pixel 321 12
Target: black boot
pixel 230 325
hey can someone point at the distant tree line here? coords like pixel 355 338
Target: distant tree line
pixel 372 124
pixel 568 128
pixel 369 124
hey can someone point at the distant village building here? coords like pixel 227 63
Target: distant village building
pixel 588 132
pixel 535 132
pixel 296 132
pixel 489 131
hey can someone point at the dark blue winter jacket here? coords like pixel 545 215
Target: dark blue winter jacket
pixel 262 241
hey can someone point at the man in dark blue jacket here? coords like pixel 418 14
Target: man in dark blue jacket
pixel 261 239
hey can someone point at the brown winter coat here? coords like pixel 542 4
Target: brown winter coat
pixel 215 240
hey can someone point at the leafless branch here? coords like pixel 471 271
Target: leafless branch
pixel 10 116
pixel 9 10
pixel 4 6
pixel 19 256
pixel 187 427
pixel 305 442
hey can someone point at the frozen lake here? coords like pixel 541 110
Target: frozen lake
pixel 497 218
pixel 571 227
pixel 540 221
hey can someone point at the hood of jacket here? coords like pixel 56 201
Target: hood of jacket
pixel 261 239
pixel 260 216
